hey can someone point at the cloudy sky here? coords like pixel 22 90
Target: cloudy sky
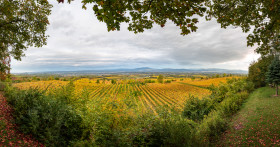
pixel 78 41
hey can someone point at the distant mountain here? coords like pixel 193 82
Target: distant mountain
pixel 142 70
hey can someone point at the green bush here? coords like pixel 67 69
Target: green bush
pixel 215 123
pixel 150 81
pixel 227 96
pixel 49 120
pixel 3 85
pixel 213 111
pixel 232 104
pixel 168 129
pixel 211 128
pixel 167 81
pixel 232 87
pixel 258 69
pixel 113 81
pixel 195 108
pixel 136 93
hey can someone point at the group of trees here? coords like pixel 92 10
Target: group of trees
pixel 23 24
pixel 265 71
pixel 273 74
pixel 258 70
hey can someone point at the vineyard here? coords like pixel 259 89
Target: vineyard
pixel 206 82
pixel 129 112
pixel 143 96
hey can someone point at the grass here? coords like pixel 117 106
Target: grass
pixel 257 123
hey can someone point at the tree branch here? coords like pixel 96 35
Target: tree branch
pixel 150 3
pixel 10 22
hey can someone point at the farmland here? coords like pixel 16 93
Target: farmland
pixel 146 97
pixel 129 111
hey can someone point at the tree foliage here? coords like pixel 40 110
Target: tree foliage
pixel 160 78
pixel 273 74
pixel 22 24
pixel 260 17
pixel 141 15
pixel 258 70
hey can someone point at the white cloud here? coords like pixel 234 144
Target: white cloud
pixel 79 41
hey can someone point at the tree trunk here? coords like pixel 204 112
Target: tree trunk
pixel 276 89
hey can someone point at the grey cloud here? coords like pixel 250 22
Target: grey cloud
pixel 78 40
pixel 209 44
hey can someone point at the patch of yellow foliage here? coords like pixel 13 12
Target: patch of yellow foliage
pixel 42 85
pixel 147 97
pixel 206 82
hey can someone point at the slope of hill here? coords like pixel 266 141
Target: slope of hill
pixel 257 123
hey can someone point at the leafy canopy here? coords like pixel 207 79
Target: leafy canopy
pixel 258 70
pixel 160 78
pixel 22 24
pixel 259 17
pixel 273 74
pixel 143 14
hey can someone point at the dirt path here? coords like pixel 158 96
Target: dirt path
pixel 9 136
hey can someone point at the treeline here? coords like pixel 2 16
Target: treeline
pixel 59 119
pixel 258 70
pixel 148 78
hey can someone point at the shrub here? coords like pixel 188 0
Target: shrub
pixel 258 69
pixel 249 86
pixel 167 81
pixel 150 81
pixel 195 108
pixel 160 78
pixel 136 93
pixel 232 87
pixel 167 130
pixel 211 128
pixel 49 120
pixel 232 104
pixel 3 85
pixel 213 111
pixel 113 81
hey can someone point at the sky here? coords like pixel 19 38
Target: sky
pixel 78 41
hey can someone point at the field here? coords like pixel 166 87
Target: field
pixel 134 92
pixel 205 82
pixel 121 111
